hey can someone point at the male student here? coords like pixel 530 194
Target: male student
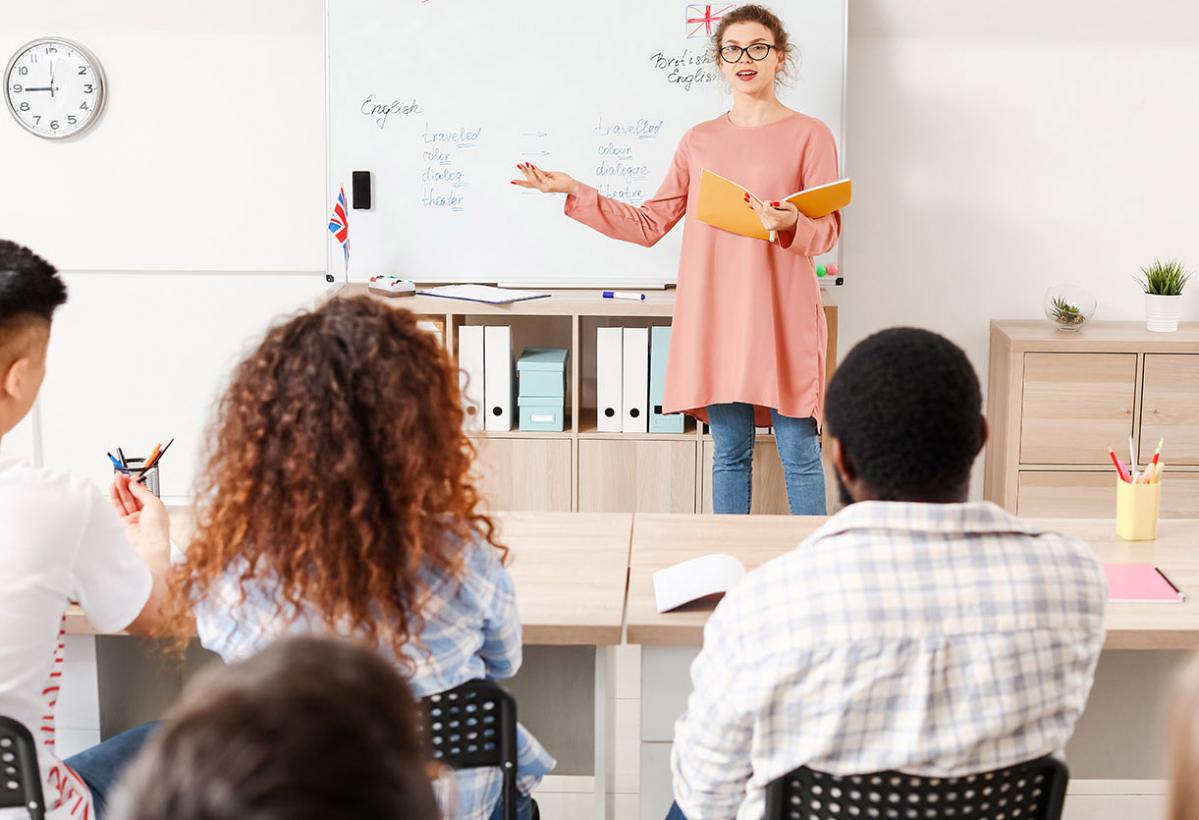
pixel 60 540
pixel 913 630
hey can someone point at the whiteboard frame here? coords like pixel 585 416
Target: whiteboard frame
pixel 843 143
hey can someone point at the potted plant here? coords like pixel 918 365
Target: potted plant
pixel 1069 307
pixel 1163 283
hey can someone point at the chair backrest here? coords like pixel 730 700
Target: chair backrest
pixel 1035 790
pixel 20 781
pixel 472 725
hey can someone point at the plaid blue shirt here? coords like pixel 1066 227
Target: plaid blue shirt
pixel 471 631
pixel 936 639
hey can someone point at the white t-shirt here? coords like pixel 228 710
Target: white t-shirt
pixel 60 540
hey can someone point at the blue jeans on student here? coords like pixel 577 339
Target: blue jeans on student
pixel 675 813
pixel 524 808
pixel 101 766
pixel 732 428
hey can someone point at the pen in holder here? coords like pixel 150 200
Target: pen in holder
pixel 151 477
pixel 1137 507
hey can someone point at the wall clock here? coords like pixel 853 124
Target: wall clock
pixel 54 87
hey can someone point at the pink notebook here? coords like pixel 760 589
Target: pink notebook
pixel 1140 584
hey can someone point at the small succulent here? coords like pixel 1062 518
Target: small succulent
pixel 1066 313
pixel 1164 278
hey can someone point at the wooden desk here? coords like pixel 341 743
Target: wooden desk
pixel 570 572
pixel 662 540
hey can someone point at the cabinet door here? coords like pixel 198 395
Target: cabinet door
pixel 1075 406
pixel 1066 494
pixel 1170 407
pixel 524 474
pixel 1080 494
pixel 768 488
pixel 636 476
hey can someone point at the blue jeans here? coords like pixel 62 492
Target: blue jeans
pixel 675 813
pixel 732 464
pixel 524 808
pixel 101 766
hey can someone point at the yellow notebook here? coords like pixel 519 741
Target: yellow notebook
pixel 722 204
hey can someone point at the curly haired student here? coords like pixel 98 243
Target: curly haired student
pixel 337 498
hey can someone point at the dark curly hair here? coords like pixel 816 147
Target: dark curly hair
pixel 907 408
pixel 339 471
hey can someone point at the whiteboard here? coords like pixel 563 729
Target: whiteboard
pixel 439 100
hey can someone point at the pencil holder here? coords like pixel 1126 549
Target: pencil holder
pixel 1137 507
pixel 151 482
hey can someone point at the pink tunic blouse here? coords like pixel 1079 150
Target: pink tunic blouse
pixel 748 321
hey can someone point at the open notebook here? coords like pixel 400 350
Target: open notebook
pixel 722 204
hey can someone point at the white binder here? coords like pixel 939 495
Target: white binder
pixel 497 378
pixel 470 375
pixel 635 381
pixel 608 367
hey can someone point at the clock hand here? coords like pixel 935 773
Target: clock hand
pixel 52 61
pixel 42 88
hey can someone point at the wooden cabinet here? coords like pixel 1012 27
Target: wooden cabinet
pixel 581 468
pixel 1092 494
pixel 1075 405
pixel 1056 401
pixel 525 474
pixel 637 476
pixel 1170 407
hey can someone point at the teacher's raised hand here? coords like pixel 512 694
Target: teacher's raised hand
pixel 548 182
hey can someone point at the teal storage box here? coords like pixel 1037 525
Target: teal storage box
pixel 659 349
pixel 542 413
pixel 542 372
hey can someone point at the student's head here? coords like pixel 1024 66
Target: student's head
pixel 754 28
pixel 30 290
pixel 904 418
pixel 310 728
pixel 1184 745
pixel 338 471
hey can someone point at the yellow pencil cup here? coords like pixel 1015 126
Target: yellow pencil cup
pixel 1137 507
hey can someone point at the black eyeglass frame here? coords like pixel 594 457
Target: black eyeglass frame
pixel 742 51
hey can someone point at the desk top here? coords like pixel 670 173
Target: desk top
pixel 569 570
pixel 662 540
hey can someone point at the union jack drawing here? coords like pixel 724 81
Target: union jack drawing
pixel 339 223
pixel 700 19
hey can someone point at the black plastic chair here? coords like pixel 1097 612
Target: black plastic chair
pixel 20 781
pixel 1035 790
pixel 472 726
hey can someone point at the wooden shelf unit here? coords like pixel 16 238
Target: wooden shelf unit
pixel 1057 400
pixel 582 469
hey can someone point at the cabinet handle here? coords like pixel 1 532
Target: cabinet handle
pixel 1154 411
pixel 1125 410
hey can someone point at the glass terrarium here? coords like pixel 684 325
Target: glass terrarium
pixel 1069 307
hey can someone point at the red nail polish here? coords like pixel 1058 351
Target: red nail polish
pixel 774 204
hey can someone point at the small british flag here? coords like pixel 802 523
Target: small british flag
pixel 700 19
pixel 339 223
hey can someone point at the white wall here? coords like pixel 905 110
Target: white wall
pixel 996 150
pixel 209 157
pixel 210 152
pixel 1000 149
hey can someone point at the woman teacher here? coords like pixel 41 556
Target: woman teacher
pixel 748 345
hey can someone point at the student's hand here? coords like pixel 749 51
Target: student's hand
pixel 775 216
pixel 146 521
pixel 548 182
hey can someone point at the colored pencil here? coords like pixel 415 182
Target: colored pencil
pixel 1119 466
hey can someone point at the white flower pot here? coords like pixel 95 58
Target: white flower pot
pixel 1162 312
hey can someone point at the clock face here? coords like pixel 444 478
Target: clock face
pixel 54 88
